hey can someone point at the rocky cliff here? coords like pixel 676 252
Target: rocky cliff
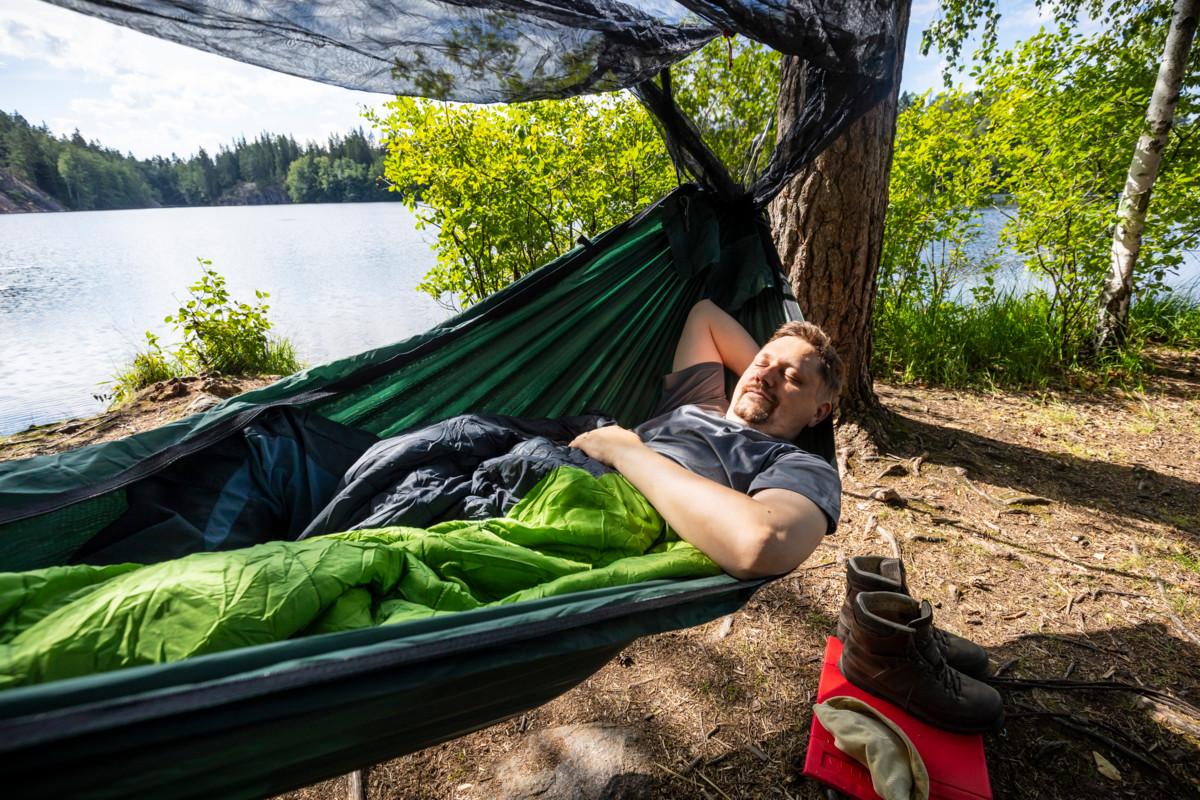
pixel 17 196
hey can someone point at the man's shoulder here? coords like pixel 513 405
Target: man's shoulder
pixel 795 454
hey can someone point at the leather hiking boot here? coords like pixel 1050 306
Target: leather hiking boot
pixel 891 652
pixel 879 574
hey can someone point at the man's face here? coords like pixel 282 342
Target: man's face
pixel 781 393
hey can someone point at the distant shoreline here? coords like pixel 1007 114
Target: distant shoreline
pixel 4 212
pixel 19 197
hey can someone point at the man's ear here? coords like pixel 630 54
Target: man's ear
pixel 823 411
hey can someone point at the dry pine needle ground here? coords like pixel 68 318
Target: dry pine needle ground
pixel 1062 531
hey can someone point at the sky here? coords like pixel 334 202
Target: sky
pixel 150 97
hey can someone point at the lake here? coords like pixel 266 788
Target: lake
pixel 78 290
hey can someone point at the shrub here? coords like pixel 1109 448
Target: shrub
pixel 220 336
pixel 149 366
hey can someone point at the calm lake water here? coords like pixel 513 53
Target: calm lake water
pixel 78 290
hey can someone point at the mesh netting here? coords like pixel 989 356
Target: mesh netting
pixel 485 51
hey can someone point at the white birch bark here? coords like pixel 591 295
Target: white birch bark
pixel 1135 199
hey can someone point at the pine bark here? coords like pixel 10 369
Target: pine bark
pixel 1113 322
pixel 828 226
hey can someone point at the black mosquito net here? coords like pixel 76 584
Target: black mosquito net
pixel 485 51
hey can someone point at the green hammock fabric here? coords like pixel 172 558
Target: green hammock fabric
pixel 571 533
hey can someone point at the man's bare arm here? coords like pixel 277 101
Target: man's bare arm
pixel 712 335
pixel 748 537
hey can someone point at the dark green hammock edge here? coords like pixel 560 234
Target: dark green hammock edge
pixel 592 331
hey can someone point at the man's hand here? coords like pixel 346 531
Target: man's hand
pixel 607 444
pixel 748 537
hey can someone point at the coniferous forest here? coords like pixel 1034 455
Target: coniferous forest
pixel 41 171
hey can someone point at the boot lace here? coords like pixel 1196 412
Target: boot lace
pixel 950 678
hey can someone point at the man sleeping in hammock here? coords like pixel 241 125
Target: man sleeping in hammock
pixel 724 473
pixel 473 511
pixel 725 476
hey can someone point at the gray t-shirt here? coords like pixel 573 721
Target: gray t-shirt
pixel 690 428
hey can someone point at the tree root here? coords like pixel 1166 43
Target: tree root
pixel 1114 738
pixel 1166 698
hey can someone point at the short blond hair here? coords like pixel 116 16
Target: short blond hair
pixel 831 367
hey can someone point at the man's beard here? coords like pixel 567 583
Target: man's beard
pixel 755 408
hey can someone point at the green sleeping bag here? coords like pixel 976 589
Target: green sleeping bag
pixel 571 532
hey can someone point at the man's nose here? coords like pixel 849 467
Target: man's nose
pixel 766 376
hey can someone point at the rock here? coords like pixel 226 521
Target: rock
pixel 886 494
pixel 953 593
pixel 218 386
pixel 249 193
pixel 571 762
pixel 202 402
pixel 17 196
pixel 165 390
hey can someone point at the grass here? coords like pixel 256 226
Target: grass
pixel 1013 341
pixel 147 368
pixel 1189 561
pixel 1004 342
pixel 1169 319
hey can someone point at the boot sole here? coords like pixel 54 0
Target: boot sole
pixel 942 726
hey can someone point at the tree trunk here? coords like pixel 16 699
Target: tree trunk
pixel 1113 322
pixel 828 226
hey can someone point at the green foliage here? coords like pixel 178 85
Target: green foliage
pixel 729 88
pixel 81 175
pixel 960 21
pixel 1048 135
pixel 1002 341
pixel 149 366
pixel 219 335
pixel 1010 341
pixel 1167 318
pixel 320 179
pixel 94 181
pixel 938 182
pixel 509 188
pixel 1063 117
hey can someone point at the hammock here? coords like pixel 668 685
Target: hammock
pixel 592 331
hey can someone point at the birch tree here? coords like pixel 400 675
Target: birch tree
pixel 1113 321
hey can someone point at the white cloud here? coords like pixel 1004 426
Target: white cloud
pixel 1032 16
pixel 922 11
pixel 154 97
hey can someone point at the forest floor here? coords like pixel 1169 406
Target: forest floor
pixel 1059 529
